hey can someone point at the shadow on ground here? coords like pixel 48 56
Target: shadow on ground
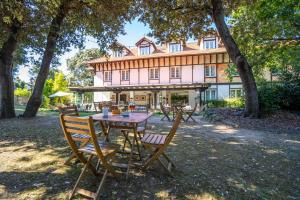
pixel 213 162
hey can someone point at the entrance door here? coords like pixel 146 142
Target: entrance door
pixel 123 98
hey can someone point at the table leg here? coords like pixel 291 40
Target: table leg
pixel 105 130
pixel 134 139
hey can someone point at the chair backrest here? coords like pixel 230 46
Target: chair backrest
pixel 97 106
pixel 194 109
pixel 78 125
pixel 174 128
pixel 140 109
pixel 69 110
pixel 163 109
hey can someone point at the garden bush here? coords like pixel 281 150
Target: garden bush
pixel 275 96
pixel 231 103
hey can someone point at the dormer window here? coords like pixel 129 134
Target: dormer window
pixel 144 50
pixel 174 47
pixel 209 43
pixel 117 54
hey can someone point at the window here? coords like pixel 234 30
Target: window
pixel 125 75
pixel 210 71
pixel 117 54
pixel 236 93
pixel 107 76
pixel 174 47
pixel 209 43
pixel 211 94
pixel 144 50
pixel 175 72
pixel 154 73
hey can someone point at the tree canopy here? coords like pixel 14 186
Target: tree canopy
pixel 80 75
pixel 268 33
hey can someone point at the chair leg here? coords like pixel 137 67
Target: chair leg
pixel 101 184
pixel 67 162
pixel 125 133
pixel 168 159
pixel 80 177
pixel 152 158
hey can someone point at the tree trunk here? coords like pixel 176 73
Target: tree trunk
pixel 7 108
pixel 35 99
pixel 244 69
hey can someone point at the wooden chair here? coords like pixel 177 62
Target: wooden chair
pixel 83 139
pixel 157 144
pixel 141 127
pixel 104 152
pixel 68 110
pixel 98 106
pixel 165 112
pixel 190 113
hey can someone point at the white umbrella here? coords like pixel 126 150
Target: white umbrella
pixel 60 94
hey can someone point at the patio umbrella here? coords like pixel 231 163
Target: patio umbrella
pixel 60 94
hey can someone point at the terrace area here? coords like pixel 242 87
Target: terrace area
pixel 213 161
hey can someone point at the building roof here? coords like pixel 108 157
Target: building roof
pixel 156 55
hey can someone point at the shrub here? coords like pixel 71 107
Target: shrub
pixel 231 102
pixel 235 102
pixel 22 92
pixel 268 97
pixel 46 102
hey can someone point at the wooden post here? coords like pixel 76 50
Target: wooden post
pixel 117 97
pixel 155 99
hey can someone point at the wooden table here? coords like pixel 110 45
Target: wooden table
pixel 120 122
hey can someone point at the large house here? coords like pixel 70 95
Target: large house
pixel 149 74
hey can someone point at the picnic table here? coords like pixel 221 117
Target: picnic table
pixel 120 122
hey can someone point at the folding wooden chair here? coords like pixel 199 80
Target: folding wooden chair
pixel 157 144
pixel 165 112
pixel 98 106
pixel 105 152
pixel 190 113
pixel 69 110
pixel 83 139
pixel 141 127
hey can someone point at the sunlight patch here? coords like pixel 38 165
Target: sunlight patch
pixel 204 196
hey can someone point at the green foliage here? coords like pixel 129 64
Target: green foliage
pixel 279 96
pixel 268 34
pixel 60 83
pixel 231 72
pixel 52 85
pixel 230 103
pixel 19 83
pixel 80 74
pixel 22 92
pixel 179 98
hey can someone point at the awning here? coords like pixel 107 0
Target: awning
pixel 60 94
pixel 155 87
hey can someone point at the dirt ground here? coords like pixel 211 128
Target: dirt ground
pixel 213 161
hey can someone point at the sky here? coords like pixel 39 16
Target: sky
pixel 134 31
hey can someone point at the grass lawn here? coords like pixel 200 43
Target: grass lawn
pixel 213 162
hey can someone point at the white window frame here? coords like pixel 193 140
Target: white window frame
pixel 125 75
pixel 175 72
pixel 209 43
pixel 118 54
pixel 154 73
pixel 209 92
pixel 146 51
pixel 174 47
pixel 210 71
pixel 107 76
pixel 235 91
